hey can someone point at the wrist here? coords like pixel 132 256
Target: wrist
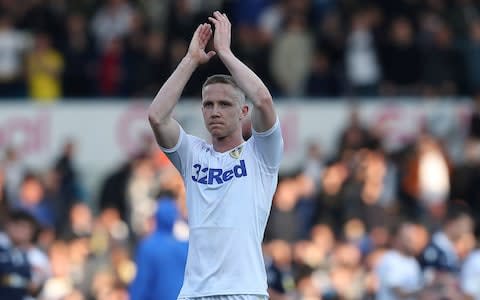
pixel 225 53
pixel 188 60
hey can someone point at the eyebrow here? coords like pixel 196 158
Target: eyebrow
pixel 221 101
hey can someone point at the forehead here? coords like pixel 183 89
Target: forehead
pixel 219 91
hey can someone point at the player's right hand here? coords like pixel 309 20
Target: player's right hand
pixel 196 50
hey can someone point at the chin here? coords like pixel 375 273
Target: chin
pixel 216 133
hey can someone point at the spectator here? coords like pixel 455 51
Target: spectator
pixel 322 81
pixel 156 13
pixel 331 201
pixel 355 135
pixel 284 222
pixel 113 194
pixel 463 13
pixel 153 66
pixel 60 284
pixel 140 196
pixel 398 271
pixel 441 259
pixel 361 58
pixel 401 59
pixel 15 269
pixel 291 56
pixel 471 54
pixel 248 12
pixel 279 269
pixel 32 200
pixel 469 275
pixel 43 16
pixel 70 190
pixel 330 37
pixel 181 21
pixel 111 22
pixel 466 175
pixel 427 179
pixel 22 230
pixel 271 18
pixel 79 52
pixel 44 70
pixel 441 64
pixel 14 168
pixel 314 164
pixel 13 44
pixel 112 69
pixel 80 222
pixel 160 258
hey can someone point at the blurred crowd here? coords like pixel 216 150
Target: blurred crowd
pixel 56 49
pixel 348 225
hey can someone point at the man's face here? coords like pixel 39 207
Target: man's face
pixel 412 239
pixel 20 232
pixel 460 227
pixel 222 111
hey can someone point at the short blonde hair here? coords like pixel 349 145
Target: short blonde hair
pixel 225 79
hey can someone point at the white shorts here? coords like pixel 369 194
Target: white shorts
pixel 229 297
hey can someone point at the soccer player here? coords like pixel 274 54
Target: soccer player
pixel 230 182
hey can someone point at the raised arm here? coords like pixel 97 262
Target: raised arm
pixel 263 116
pixel 165 128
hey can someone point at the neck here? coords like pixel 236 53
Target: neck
pixel 449 234
pixel 402 251
pixel 222 144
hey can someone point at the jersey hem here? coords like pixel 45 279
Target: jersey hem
pixel 229 293
pixel 269 131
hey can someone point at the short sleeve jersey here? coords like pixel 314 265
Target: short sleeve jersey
pixel 229 197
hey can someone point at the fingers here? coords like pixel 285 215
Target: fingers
pixel 204 34
pixel 219 19
pixel 214 21
pixel 219 15
pixel 211 54
pixel 205 31
pixel 197 32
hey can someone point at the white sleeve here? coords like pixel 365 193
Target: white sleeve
pixel 41 269
pixel 393 276
pixel 179 154
pixel 268 146
pixel 470 276
pixel 4 240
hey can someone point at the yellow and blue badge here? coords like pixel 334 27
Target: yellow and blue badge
pixel 235 153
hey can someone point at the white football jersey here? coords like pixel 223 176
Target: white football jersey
pixel 229 196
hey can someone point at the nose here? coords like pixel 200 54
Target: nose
pixel 216 111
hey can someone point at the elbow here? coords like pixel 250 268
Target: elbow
pixel 264 99
pixel 153 118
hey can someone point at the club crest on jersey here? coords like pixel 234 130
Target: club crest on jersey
pixel 205 175
pixel 235 153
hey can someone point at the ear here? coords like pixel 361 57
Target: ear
pixel 244 113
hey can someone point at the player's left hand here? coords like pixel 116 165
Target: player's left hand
pixel 222 34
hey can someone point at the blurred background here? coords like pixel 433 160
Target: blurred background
pixel 379 102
